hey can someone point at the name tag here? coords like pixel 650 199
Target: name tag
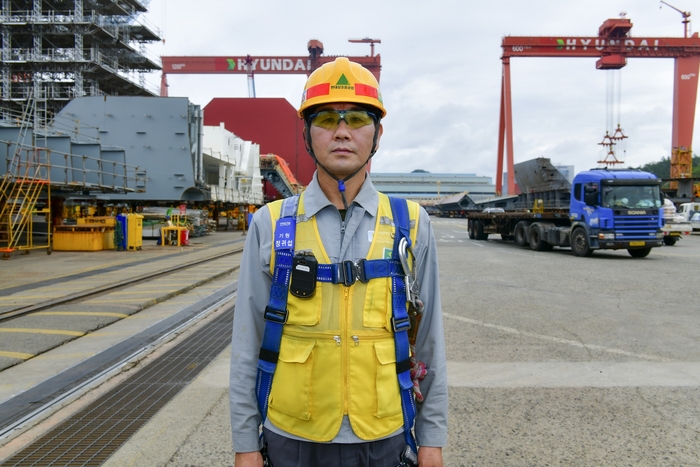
pixel 284 234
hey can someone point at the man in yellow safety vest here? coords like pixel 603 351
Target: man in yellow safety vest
pixel 327 353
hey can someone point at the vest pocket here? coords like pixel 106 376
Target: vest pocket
pixel 305 311
pixel 387 384
pixel 377 309
pixel 291 386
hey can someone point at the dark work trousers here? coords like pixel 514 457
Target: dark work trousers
pixel 286 452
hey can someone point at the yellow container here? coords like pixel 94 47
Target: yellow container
pixel 134 234
pixel 109 238
pixel 106 220
pixel 84 237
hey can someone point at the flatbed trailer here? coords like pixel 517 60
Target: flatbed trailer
pixel 482 224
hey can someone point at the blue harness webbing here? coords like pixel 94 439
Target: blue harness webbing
pixel 401 322
pixel 346 273
pixel 276 310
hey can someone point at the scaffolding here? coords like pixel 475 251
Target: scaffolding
pixel 74 48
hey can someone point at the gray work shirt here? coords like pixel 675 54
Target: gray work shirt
pixel 343 240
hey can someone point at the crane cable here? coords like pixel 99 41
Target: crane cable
pixel 613 101
pixel 613 113
pixel 163 20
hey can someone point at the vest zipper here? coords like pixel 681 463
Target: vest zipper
pixel 342 227
pixel 356 339
pixel 345 357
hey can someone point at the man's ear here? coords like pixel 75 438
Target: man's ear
pixel 380 130
pixel 304 134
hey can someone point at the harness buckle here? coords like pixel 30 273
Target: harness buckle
pixel 408 458
pixel 263 451
pixel 349 273
pixel 360 271
pixel 402 324
pixel 276 315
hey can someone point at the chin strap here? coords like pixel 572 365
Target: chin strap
pixel 341 182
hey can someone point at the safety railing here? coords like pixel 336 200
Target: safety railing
pixel 81 172
pixel 67 90
pixel 109 23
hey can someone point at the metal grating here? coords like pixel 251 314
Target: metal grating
pixel 89 437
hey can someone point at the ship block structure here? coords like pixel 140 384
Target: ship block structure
pixel 165 137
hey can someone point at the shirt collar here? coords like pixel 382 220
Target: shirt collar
pixel 315 199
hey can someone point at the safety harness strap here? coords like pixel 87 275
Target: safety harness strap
pixel 276 312
pixel 401 322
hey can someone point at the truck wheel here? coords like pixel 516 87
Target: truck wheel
pixel 670 241
pixel 521 234
pixel 479 231
pixel 470 229
pixel 580 244
pixel 639 252
pixel 537 243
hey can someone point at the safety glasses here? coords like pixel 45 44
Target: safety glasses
pixel 330 119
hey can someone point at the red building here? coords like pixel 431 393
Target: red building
pixel 270 122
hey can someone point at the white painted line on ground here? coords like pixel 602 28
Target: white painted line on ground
pixel 557 339
pixel 477 244
pixel 573 374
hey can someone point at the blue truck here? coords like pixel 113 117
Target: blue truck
pixel 609 209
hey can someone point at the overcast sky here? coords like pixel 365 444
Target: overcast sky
pixel 441 72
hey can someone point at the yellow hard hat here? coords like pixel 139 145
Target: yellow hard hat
pixel 341 81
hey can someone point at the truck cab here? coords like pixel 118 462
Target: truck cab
pixel 688 210
pixel 616 209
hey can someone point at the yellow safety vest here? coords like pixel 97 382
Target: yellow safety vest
pixel 337 352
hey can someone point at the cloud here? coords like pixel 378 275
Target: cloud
pixel 441 73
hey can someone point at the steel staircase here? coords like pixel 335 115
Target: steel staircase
pixel 24 183
pixel 19 193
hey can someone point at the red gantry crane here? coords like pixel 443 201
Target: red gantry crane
pixel 278 65
pixel 612 47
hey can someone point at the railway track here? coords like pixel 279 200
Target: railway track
pixel 181 291
pixel 89 436
pixel 106 288
pixel 46 314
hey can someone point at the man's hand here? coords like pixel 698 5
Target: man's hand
pixel 427 457
pixel 249 459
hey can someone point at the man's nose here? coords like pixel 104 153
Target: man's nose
pixel 343 130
